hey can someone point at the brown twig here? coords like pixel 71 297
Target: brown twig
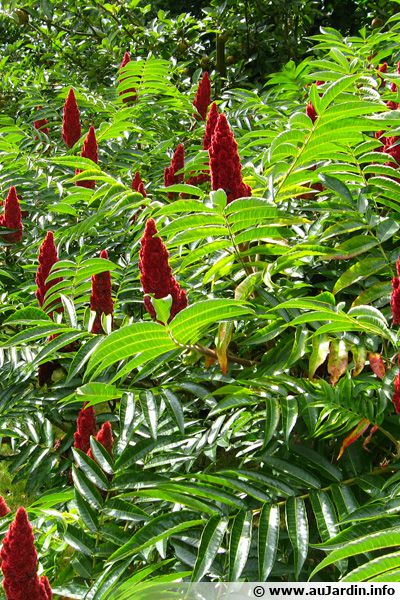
pixel 232 357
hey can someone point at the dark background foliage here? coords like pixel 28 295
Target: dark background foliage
pixel 244 40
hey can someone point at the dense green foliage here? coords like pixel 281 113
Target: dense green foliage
pixel 244 40
pixel 229 421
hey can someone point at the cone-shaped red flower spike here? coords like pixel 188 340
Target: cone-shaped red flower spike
pixel 392 147
pixel 203 96
pixel 396 394
pixel 168 180
pixel 12 218
pixel 393 88
pixel 310 112
pixel 105 438
pixel 47 258
pixel 41 124
pixel 89 150
pixel 198 179
pixel 212 119
pixel 45 584
pixel 125 60
pixel 156 274
pixel 395 298
pixel 138 185
pixel 100 299
pixel 71 127
pixel 382 69
pixel 226 170
pixel 85 427
pixel 177 164
pixel 4 508
pixel 141 190
pixel 19 563
pixel 130 91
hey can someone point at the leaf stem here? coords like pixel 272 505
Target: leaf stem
pixel 232 357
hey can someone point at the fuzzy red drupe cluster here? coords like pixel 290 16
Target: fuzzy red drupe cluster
pixel 47 258
pixel 71 125
pixel 203 97
pixel 4 508
pixel 156 274
pixel 100 298
pixel 19 563
pixel 226 169
pixel 105 438
pixel 89 150
pixel 86 426
pixel 395 297
pixel 172 176
pixel 12 217
pixel 129 95
pixel 41 124
pixel 138 185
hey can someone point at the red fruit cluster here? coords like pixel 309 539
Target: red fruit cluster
pixel 126 58
pixel 393 88
pixel 395 298
pixel 105 438
pixel 12 218
pixel 71 125
pixel 19 563
pixel 85 427
pixel 310 109
pixel 198 179
pixel 47 258
pixel 203 97
pixel 310 112
pixel 212 119
pixel 382 69
pixel 390 145
pixel 211 122
pixel 396 394
pixel 4 508
pixel 100 298
pixel 89 150
pixel 138 185
pixel 41 124
pixel 171 175
pixel 156 274
pixel 318 187
pixel 133 95
pixel 225 166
